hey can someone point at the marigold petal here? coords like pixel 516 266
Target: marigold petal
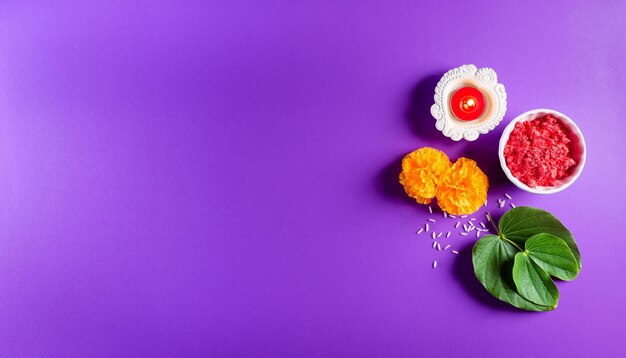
pixel 463 188
pixel 421 173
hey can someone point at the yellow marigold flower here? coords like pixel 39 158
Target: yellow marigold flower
pixel 463 189
pixel 421 173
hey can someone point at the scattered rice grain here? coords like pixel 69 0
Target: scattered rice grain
pixel 447 247
pixel 455 252
pixel 508 196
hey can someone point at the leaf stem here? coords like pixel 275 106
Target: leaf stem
pixel 512 243
pixel 493 223
pixel 501 235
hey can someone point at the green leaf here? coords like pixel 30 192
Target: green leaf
pixel 518 224
pixel 533 283
pixel 553 255
pixel 493 260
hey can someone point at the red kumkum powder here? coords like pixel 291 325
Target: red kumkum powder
pixel 538 152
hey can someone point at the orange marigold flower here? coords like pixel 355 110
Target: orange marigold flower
pixel 463 189
pixel 421 173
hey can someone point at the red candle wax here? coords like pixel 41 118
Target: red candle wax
pixel 467 103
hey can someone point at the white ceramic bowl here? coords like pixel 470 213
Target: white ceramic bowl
pixel 579 151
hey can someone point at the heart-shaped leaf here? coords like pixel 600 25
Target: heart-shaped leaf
pixel 518 224
pixel 493 260
pixel 533 283
pixel 553 255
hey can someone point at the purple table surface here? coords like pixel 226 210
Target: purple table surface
pixel 219 179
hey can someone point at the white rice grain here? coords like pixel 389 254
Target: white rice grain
pixel 439 235
pixel 427 227
pixel 463 234
pixel 432 220
pixel 483 225
pixel 508 196
pixel 420 231
pixel 447 247
pixel 434 244
pixel 457 224
pixel 448 234
pixel 438 247
pixel 430 209
pixel 455 252
pixel 434 235
pixel 435 264
pixel 512 205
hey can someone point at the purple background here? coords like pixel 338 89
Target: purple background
pixel 220 178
